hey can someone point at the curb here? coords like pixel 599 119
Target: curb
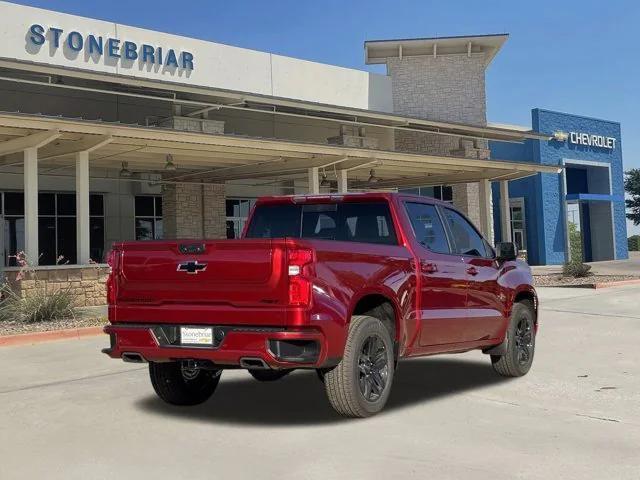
pixel 49 336
pixel 595 286
pixel 620 283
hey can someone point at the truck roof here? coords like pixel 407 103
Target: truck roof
pixel 348 197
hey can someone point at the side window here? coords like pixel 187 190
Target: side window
pixel 367 222
pixel 427 227
pixel 465 238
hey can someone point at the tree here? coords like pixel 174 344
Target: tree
pixel 575 243
pixel 632 186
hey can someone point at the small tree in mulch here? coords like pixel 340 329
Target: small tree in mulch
pixel 576 270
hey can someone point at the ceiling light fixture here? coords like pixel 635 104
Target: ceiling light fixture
pixel 169 165
pixel 325 181
pixel 124 171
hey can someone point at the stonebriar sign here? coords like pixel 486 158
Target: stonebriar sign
pixel 97 45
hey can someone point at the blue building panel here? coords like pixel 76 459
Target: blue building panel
pixel 592 145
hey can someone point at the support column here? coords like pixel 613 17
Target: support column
pixel 505 212
pixel 31 248
pixel 486 210
pixel 314 181
pixel 82 208
pixel 342 181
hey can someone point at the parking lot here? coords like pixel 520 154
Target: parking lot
pixel 69 412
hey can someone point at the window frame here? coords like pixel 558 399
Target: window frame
pixel 55 216
pixel 154 219
pixel 486 244
pixel 444 228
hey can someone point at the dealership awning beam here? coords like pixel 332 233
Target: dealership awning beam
pixel 86 144
pixel 35 140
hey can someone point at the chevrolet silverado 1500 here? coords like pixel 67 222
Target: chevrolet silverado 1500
pixel 347 285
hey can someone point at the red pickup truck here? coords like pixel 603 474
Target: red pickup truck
pixel 343 284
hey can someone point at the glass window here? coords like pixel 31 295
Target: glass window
pixel 66 203
pixel 353 222
pixel 96 239
pixel 367 222
pixel 237 210
pixel 96 205
pixel 46 204
pixel 275 221
pixel 145 206
pixel 56 227
pixel 13 204
pixel 466 240
pixel 148 217
pixel 427 227
pixel 47 240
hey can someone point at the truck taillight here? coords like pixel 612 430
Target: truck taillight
pixel 299 285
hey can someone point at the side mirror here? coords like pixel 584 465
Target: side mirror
pixel 506 251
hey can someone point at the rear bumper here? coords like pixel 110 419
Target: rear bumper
pixel 278 348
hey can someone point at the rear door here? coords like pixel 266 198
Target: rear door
pixel 483 299
pixel 443 284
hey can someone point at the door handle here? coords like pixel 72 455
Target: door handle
pixel 472 271
pixel 429 267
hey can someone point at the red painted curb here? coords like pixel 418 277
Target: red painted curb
pixel 40 337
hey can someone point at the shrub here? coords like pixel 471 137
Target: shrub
pixel 39 306
pixel 634 243
pixel 576 270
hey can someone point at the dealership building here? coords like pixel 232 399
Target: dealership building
pixel 110 132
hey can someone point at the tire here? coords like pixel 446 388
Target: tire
pixel 359 385
pixel 178 387
pixel 521 342
pixel 269 375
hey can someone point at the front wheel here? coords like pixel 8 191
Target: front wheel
pixel 521 342
pixel 359 385
pixel 176 384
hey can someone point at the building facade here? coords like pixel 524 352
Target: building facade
pixel 110 133
pixel 578 215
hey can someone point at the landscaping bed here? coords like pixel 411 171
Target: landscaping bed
pixel 15 328
pixel 591 281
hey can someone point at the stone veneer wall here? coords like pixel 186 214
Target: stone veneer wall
pixel 448 88
pixel 194 211
pixel 86 283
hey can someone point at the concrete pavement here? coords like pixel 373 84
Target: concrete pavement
pixel 68 412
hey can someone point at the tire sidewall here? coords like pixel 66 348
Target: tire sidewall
pixel 371 326
pixel 519 310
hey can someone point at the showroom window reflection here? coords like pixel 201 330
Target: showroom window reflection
pixel 56 227
pixel 148 217
pixel 237 213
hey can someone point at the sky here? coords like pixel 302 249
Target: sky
pixel 572 56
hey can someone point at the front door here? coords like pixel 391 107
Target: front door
pixel 484 303
pixel 443 285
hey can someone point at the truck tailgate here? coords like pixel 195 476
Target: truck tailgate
pixel 226 273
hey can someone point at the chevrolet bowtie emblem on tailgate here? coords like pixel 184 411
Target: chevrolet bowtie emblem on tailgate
pixel 192 267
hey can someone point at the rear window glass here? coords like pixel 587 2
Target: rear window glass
pixel 352 222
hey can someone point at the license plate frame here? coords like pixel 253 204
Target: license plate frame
pixel 196 336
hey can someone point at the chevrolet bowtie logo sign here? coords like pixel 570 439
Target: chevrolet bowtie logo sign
pixel 192 267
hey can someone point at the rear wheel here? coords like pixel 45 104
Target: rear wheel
pixel 269 375
pixel 359 385
pixel 521 342
pixel 176 384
